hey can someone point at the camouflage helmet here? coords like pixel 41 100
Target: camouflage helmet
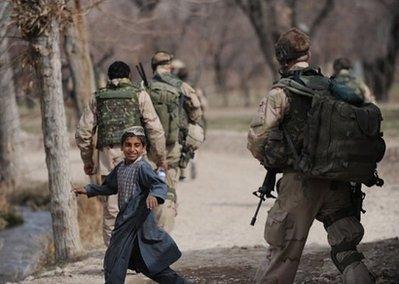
pixel 292 45
pixel 160 58
pixel 179 69
pixel 342 63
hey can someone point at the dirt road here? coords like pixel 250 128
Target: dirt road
pixel 215 209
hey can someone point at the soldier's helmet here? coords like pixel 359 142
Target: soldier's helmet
pixel 292 45
pixel 160 58
pixel 179 69
pixel 342 63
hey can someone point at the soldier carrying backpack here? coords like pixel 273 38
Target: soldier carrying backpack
pixel 326 141
pixel 179 111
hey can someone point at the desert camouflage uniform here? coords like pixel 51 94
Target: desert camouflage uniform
pixel 166 213
pixel 300 200
pixel 108 157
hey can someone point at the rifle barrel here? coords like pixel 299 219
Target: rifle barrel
pixel 257 210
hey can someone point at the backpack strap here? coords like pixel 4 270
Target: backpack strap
pixel 294 87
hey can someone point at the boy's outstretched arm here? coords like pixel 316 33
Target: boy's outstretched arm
pixel 108 187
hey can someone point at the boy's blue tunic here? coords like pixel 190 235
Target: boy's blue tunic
pixel 157 248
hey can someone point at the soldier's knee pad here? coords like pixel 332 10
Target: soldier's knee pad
pixel 344 255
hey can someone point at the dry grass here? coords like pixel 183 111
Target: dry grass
pixel 35 194
pixel 90 222
pixel 9 216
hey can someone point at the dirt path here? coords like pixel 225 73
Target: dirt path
pixel 215 210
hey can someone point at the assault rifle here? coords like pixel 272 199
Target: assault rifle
pixel 264 191
pixel 141 72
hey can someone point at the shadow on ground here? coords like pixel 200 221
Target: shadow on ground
pixel 239 264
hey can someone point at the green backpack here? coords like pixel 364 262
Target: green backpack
pixel 166 95
pixel 327 138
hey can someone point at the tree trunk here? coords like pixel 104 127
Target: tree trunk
pixel 261 21
pixel 46 53
pixel 78 55
pixel 246 93
pixel 220 79
pixel 264 19
pixel 380 72
pixel 9 117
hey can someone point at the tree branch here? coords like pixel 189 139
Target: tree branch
pixel 327 8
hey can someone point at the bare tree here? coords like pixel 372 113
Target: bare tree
pixel 380 72
pixel 263 17
pixel 9 116
pixel 78 56
pixel 39 23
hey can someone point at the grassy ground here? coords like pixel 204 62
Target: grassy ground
pixel 390 125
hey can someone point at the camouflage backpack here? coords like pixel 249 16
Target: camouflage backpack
pixel 166 96
pixel 324 136
pixel 117 109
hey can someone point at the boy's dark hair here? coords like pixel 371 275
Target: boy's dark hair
pixel 118 69
pixel 126 135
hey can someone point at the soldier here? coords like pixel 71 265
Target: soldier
pixel 180 70
pixel 343 74
pixel 301 200
pixel 177 105
pixel 113 109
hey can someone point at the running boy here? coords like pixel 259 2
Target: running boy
pixel 136 242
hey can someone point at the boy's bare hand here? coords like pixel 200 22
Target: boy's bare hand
pixel 79 190
pixel 152 202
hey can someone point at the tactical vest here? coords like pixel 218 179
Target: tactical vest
pixel 322 136
pixel 350 81
pixel 117 109
pixel 166 95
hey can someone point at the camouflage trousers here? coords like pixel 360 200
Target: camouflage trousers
pixel 299 202
pixel 166 213
pixel 108 159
